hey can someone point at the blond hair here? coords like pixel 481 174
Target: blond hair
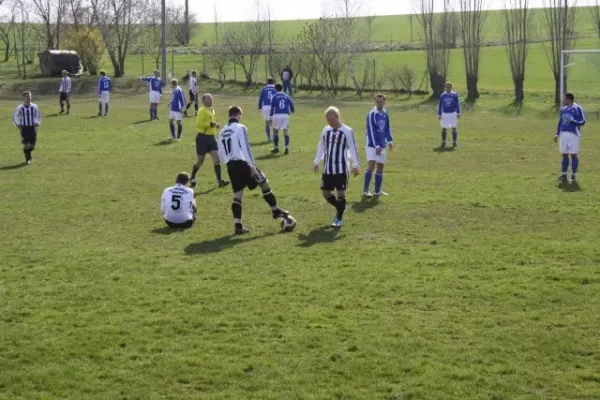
pixel 332 111
pixel 174 82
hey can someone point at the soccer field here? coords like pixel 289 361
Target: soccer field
pixel 476 278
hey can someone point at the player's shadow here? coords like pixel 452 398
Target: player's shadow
pixel 268 156
pixel 165 142
pixel 207 191
pixel 446 149
pixel 53 115
pixel 143 121
pixel 91 117
pixel 165 230
pixel 569 187
pixel 260 143
pixel 324 234
pixel 365 204
pixel 222 243
pixel 12 167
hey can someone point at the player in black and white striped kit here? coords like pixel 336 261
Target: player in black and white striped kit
pixel 336 148
pixel 27 118
pixel 234 151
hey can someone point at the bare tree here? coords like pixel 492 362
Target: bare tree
pixel 181 25
pixel 472 18
pixel 245 43
pixel 559 17
pixel 7 26
pixel 595 11
pixel 50 12
pixel 402 78
pixel 21 37
pixel 219 59
pixel 517 28
pixel 120 23
pixel 437 46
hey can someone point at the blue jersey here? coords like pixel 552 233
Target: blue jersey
pixel 281 104
pixel 266 96
pixel 379 132
pixel 449 103
pixel 104 85
pixel 571 120
pixel 155 83
pixel 177 100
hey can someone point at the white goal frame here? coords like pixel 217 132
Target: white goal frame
pixel 563 66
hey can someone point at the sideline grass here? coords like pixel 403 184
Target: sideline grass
pixel 476 278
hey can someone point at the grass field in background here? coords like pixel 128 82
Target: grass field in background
pixel 476 278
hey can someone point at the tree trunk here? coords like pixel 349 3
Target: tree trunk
pixel 6 52
pixel 437 84
pixel 557 99
pixel 519 85
pixel 472 91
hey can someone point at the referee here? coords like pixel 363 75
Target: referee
pixel 27 119
pixel 206 126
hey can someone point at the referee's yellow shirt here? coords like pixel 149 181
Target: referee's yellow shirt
pixel 205 117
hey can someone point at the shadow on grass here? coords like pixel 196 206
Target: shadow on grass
pixel 264 142
pixel 53 115
pixel 514 108
pixel 446 149
pixel 91 117
pixel 165 230
pixel 207 191
pixel 143 121
pixel 268 156
pixel 12 167
pixel 165 142
pixel 324 234
pixel 222 243
pixel 571 187
pixel 365 204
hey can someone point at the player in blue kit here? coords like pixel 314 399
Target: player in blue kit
pixel 176 106
pixel 264 104
pixel 281 108
pixel 568 133
pixel 155 84
pixel 104 89
pixel 379 136
pixel 449 113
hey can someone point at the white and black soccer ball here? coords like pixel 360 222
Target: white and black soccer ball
pixel 288 223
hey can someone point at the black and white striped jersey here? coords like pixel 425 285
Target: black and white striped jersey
pixel 336 148
pixel 234 144
pixel 27 115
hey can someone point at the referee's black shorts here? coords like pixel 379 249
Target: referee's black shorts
pixel 29 135
pixel 205 144
pixel 193 96
pixel 241 177
pixel 330 182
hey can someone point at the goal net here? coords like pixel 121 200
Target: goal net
pixel 581 72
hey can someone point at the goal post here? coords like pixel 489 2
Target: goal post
pixel 580 73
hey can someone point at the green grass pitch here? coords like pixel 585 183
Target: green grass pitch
pixel 476 278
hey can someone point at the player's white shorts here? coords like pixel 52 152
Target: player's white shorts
pixel 281 121
pixel 104 97
pixel 266 112
pixel 155 97
pixel 372 155
pixel 449 120
pixel 176 116
pixel 569 143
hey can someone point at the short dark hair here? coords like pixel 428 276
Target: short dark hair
pixel 102 73
pixel 270 81
pixel 380 96
pixel 570 96
pixel 279 87
pixel 182 178
pixel 234 111
pixel 26 93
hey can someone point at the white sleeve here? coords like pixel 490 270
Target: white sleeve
pixel 245 145
pixel 352 148
pixel 320 149
pixel 222 155
pixel 17 117
pixel 38 116
pixel 163 202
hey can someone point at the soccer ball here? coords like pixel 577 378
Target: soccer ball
pixel 288 223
